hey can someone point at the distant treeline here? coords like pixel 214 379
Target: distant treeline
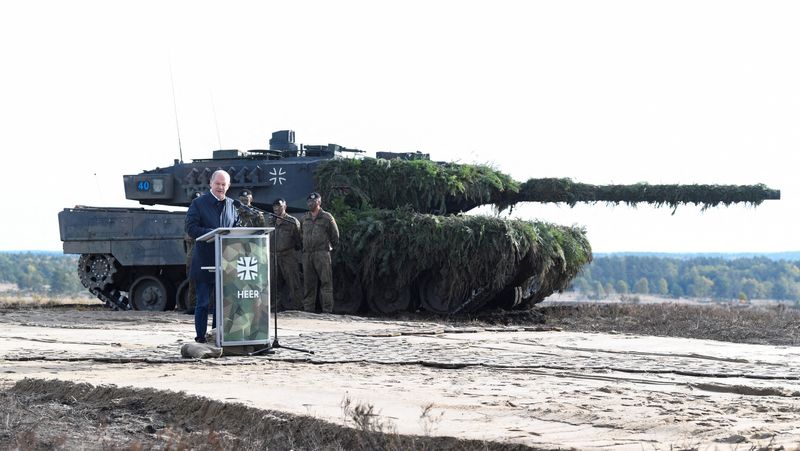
pixel 41 272
pixel 703 277
pixel 790 255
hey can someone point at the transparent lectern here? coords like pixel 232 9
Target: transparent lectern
pixel 241 256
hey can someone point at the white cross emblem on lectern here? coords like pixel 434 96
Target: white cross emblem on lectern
pixel 247 268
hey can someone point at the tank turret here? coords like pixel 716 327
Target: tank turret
pixel 404 245
pixel 285 170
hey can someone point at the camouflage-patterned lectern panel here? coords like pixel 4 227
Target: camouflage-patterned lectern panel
pixel 245 290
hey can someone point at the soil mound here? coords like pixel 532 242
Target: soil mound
pixel 51 414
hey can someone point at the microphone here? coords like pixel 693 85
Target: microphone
pixel 279 218
pixel 251 210
pixel 239 204
pixel 255 211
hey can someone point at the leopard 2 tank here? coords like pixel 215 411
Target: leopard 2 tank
pixel 405 244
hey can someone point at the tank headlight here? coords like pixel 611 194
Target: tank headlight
pixel 158 186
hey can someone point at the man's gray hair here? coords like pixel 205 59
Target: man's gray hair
pixel 224 174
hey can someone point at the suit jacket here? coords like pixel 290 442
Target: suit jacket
pixel 201 218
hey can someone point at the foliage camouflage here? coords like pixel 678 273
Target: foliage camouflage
pixel 434 187
pixel 400 248
pixel 423 185
pixel 466 261
pixel 400 254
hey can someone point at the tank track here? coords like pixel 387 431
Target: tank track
pixel 113 298
pixel 96 272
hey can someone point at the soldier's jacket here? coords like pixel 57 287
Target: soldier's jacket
pixel 251 218
pixel 286 236
pixel 320 233
pixel 188 247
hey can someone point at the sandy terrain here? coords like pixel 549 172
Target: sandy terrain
pixel 532 386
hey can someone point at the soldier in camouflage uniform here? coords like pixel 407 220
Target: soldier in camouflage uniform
pixel 320 236
pixel 284 244
pixel 248 216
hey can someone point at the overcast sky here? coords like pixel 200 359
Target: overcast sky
pixel 598 91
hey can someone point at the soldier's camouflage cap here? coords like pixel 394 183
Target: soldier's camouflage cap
pixel 245 193
pixel 279 201
pixel 314 196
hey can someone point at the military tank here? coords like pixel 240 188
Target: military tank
pixel 406 244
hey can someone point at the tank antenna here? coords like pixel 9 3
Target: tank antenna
pixel 216 124
pixel 99 191
pixel 175 107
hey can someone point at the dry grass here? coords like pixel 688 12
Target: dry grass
pixel 29 300
pixel 773 325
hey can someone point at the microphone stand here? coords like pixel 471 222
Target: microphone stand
pixel 275 343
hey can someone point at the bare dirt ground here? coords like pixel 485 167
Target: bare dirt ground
pixel 558 377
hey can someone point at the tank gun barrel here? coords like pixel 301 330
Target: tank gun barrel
pixel 564 190
pixel 347 149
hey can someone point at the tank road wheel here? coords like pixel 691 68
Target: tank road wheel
pixel 389 300
pixel 149 293
pixel 351 302
pixel 347 294
pixel 97 270
pixel 431 297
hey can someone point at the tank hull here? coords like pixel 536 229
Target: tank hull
pixel 130 257
pixel 133 258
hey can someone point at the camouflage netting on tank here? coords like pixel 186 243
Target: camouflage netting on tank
pixel 564 190
pixel 457 263
pixel 432 187
pixel 398 256
pixel 423 185
pixel 447 264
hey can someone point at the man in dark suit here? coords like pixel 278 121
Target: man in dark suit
pixel 206 213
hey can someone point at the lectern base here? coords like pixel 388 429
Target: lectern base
pixel 246 350
pixel 266 350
